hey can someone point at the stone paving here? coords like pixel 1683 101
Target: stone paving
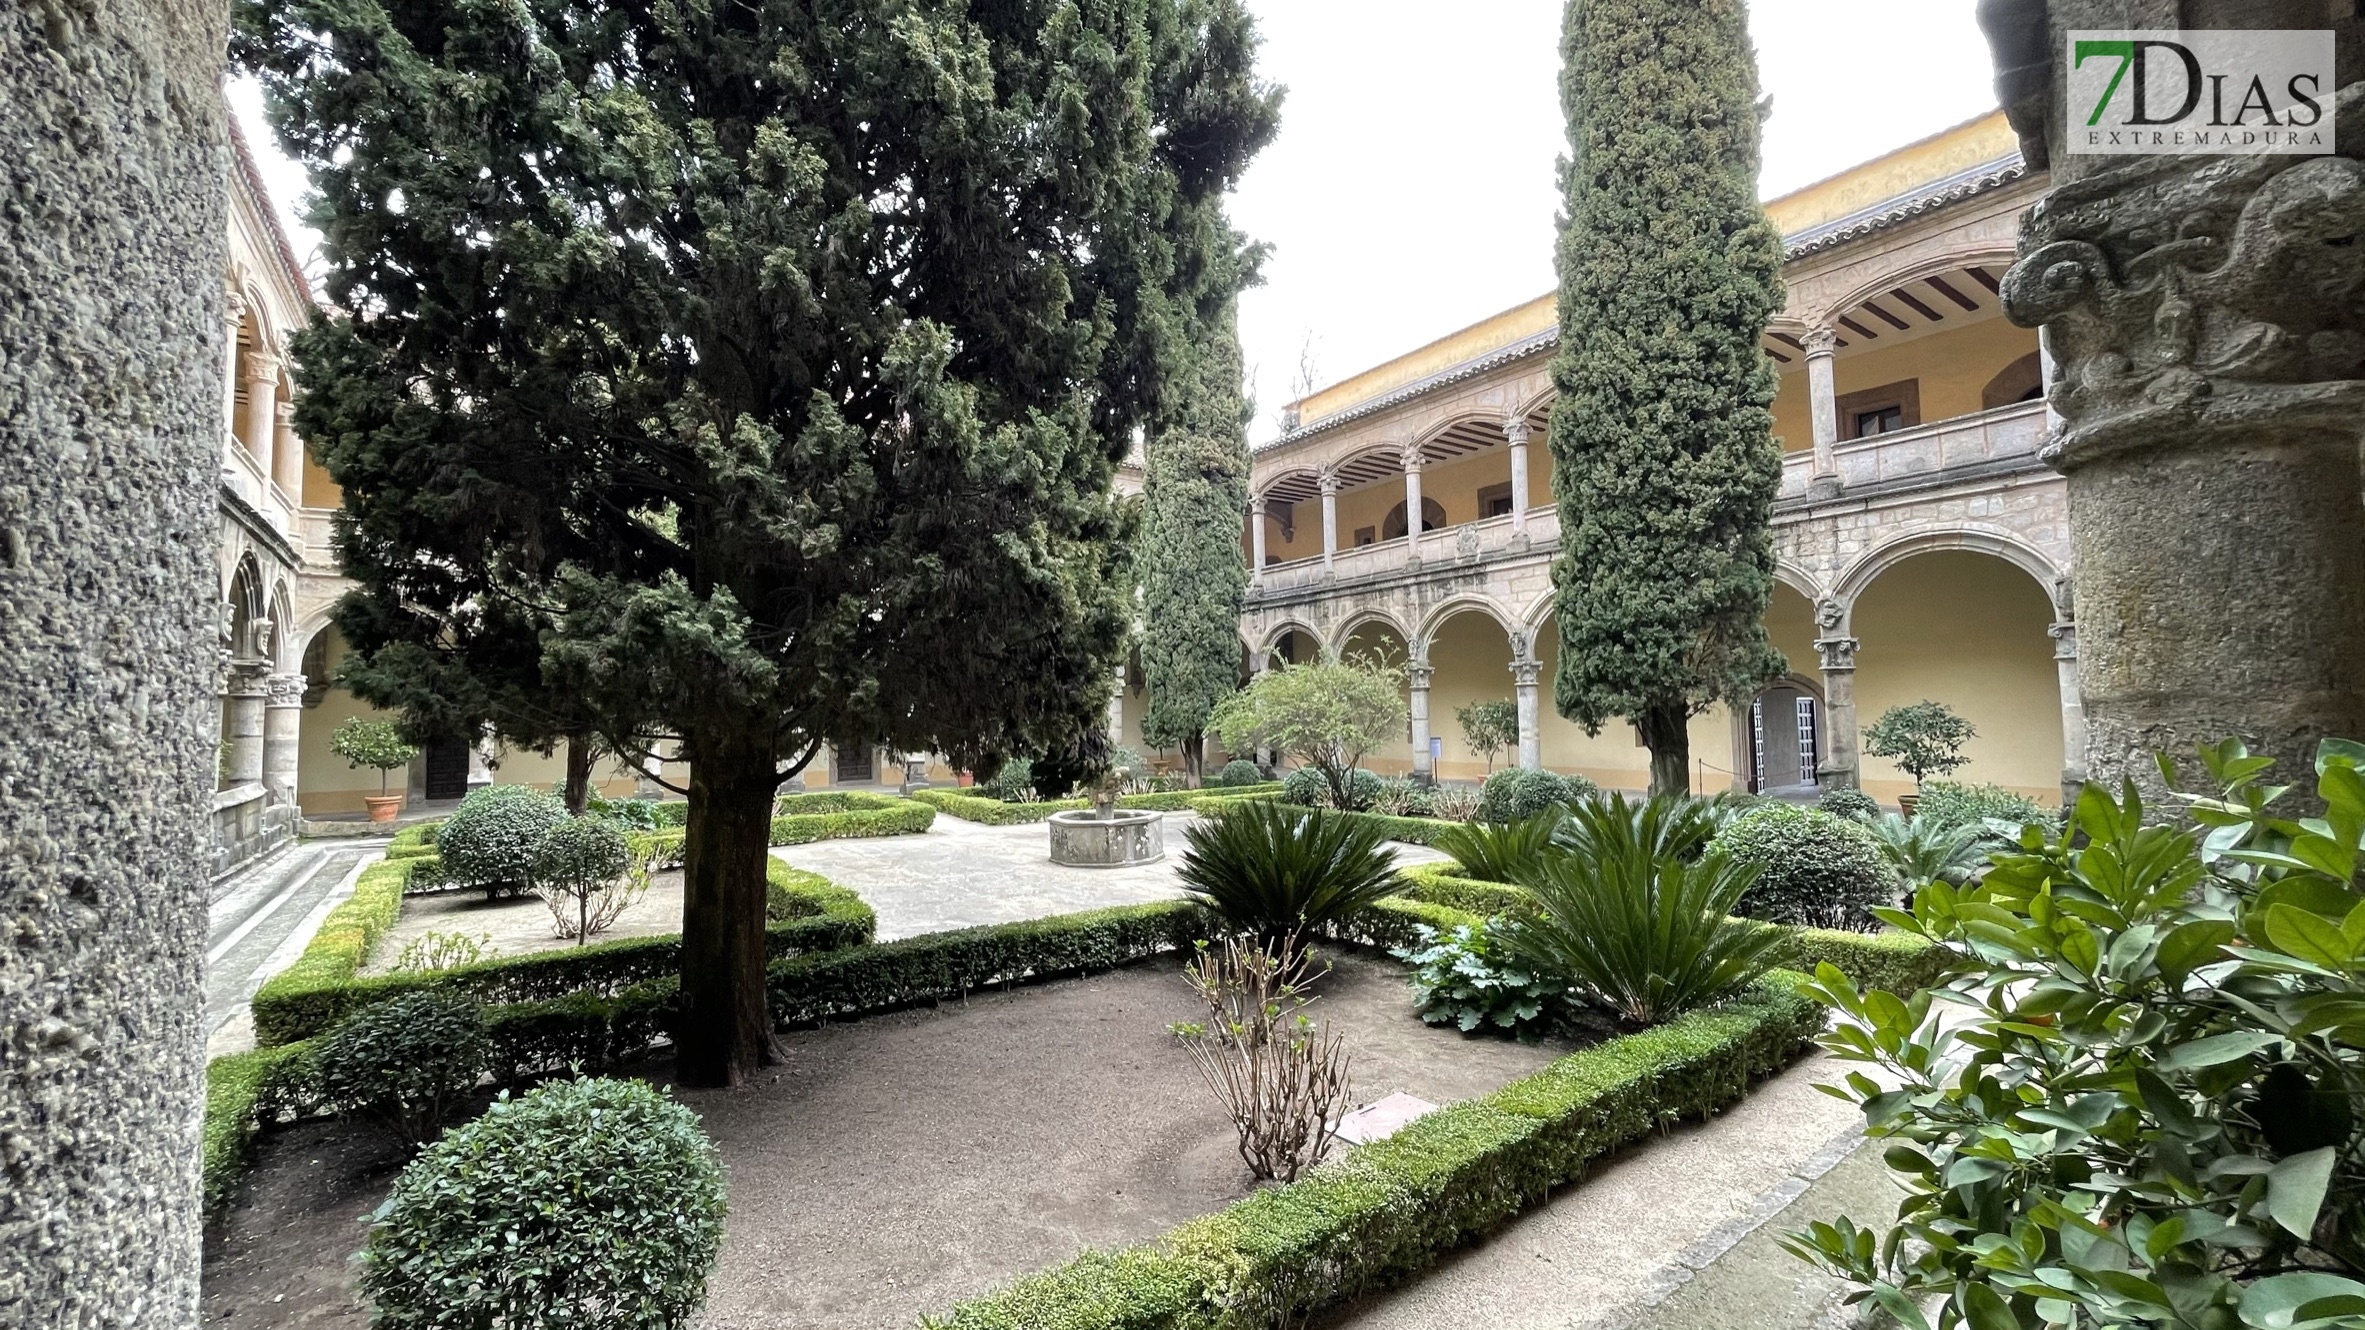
pixel 959 874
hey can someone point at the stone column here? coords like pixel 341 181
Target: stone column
pixel 1330 519
pixel 112 126
pixel 1515 433
pixel 1823 410
pixel 1839 768
pixel 261 426
pixel 283 723
pixel 233 320
pixel 1524 674
pixel 1416 678
pixel 287 454
pixel 2205 314
pixel 1117 709
pixel 1256 538
pixel 1412 505
pixel 246 695
pixel 2073 711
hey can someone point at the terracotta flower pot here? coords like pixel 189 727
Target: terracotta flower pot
pixel 1905 804
pixel 383 807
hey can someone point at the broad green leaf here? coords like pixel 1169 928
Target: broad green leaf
pixel 2332 753
pixel 2191 946
pixel 2216 1049
pixel 2277 1301
pixel 2308 935
pixel 2295 1190
pixel 1986 1309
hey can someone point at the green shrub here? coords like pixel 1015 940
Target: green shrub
pixel 1849 802
pixel 583 871
pixel 1945 804
pixel 407 1062
pixel 1454 803
pixel 1238 771
pixel 1812 868
pixel 624 814
pixel 1306 788
pixel 437 950
pixel 237 1089
pixel 1665 828
pixel 1923 852
pixel 1516 794
pixel 414 840
pixel 1390 1209
pixel 1276 870
pixel 1500 851
pixel 1468 978
pixel 581 1203
pixel 1403 797
pixel 376 744
pixel 1013 782
pixel 671 812
pixel 1645 934
pixel 2147 1096
pixel 490 840
pixel 1923 738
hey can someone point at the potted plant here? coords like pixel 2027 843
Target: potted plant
pixel 374 743
pixel 1924 739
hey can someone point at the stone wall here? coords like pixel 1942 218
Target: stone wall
pixel 111 258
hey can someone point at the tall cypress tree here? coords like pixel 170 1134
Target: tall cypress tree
pixel 1664 464
pixel 777 355
pixel 1194 575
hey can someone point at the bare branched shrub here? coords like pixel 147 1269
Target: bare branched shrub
pixel 443 951
pixel 1281 1075
pixel 586 873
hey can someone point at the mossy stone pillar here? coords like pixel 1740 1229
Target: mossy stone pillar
pixel 113 250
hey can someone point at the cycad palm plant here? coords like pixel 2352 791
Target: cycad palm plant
pixel 1625 917
pixel 1663 827
pixel 1923 852
pixel 1280 871
pixel 1499 851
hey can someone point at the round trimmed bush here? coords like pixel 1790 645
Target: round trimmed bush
pixel 1516 794
pixel 1813 868
pixel 1852 804
pixel 1306 787
pixel 1945 805
pixel 1363 789
pixel 407 1061
pixel 1238 771
pixel 490 840
pixel 1012 782
pixel 583 1203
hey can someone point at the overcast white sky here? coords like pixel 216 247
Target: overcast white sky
pixel 1411 189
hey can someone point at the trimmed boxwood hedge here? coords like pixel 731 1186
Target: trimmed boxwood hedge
pixel 995 813
pixel 809 913
pixel 1390 1209
pixel 414 840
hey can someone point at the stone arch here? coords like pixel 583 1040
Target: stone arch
pixel 283 648
pixel 1396 525
pixel 1886 279
pixel 1275 634
pixel 1798 579
pixel 244 606
pixel 1367 617
pixel 1539 400
pixel 1446 610
pixel 1981 539
pixel 2021 381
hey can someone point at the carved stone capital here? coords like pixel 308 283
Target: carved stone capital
pixel 261 367
pixel 233 309
pixel 284 690
pixel 1821 342
pixel 2065 640
pixel 1829 615
pixel 2187 304
pixel 1327 480
pixel 1515 431
pixel 1418 675
pixel 1836 654
pixel 1526 673
pixel 1412 458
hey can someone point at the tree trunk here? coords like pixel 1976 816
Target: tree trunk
pixel 1194 756
pixel 1666 731
pixel 725 1032
pixel 578 775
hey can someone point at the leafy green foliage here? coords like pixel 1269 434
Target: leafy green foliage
pixel 1923 852
pixel 1402 796
pixel 1516 794
pixel 1923 738
pixel 1308 787
pixel 491 839
pixel 1239 771
pixel 408 1062
pixel 581 1203
pixel 792 406
pixel 1305 787
pixel 1995 813
pixel 1851 803
pixel 1012 782
pixel 1279 871
pixel 1660 827
pixel 1501 851
pixel 585 871
pixel 441 950
pixel 1326 713
pixel 1640 930
pixel 1664 462
pixel 1812 868
pixel 1469 979
pixel 624 814
pixel 2145 1104
pixel 370 743
pixel 1454 803
pixel 1489 727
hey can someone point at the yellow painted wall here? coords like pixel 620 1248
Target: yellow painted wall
pixel 1454 485
pixel 319 490
pixel 1615 758
pixel 1953 368
pixel 1967 630
pixel 1488 334
pixel 1945 153
pixel 1472 659
pixel 324 782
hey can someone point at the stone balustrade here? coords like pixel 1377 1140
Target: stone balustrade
pixel 1937 451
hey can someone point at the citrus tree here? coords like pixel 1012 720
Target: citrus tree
pixel 363 742
pixel 1326 713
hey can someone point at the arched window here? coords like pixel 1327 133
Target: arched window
pixel 2021 381
pixel 1432 518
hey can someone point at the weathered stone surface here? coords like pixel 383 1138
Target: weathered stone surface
pixel 2208 318
pixel 111 255
pixel 1087 840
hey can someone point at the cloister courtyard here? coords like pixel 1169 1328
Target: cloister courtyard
pixel 748 665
